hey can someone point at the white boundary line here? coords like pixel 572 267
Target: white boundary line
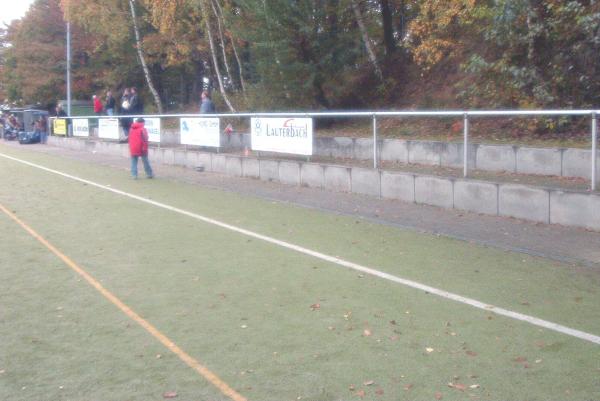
pixel 409 283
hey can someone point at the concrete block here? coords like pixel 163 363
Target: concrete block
pixel 524 202
pixel 395 150
pixel 366 181
pixel 231 142
pixel 124 150
pixel 539 161
pixel 578 163
pixel 342 147
pixel 289 173
pixel 168 156
pixel 269 170
pixel 496 158
pixel 363 148
pixel 246 141
pixel 451 155
pixel 434 191
pixel 322 146
pixel 169 137
pixel 250 167
pixel 575 209
pixel 219 163
pixel 475 196
pixel 205 160
pixel 424 152
pixel 234 166
pixel 337 178
pixel 312 175
pixel 191 159
pixel 398 186
pixel 179 157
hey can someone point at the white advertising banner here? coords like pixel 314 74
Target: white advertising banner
pixel 108 128
pixel 200 132
pixel 81 127
pixel 284 135
pixel 152 125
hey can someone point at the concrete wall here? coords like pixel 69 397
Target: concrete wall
pixel 516 159
pixel 570 208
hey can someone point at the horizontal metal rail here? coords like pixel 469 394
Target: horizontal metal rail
pixel 342 114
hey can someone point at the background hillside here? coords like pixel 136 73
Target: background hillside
pixel 312 54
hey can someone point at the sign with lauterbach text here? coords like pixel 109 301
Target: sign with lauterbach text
pixel 283 135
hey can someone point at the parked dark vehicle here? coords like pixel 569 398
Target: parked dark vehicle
pixel 29 137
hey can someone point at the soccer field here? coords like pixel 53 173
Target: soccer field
pixel 115 289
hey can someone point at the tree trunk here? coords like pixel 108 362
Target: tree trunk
pixel 221 39
pixel 366 39
pixel 388 29
pixel 214 57
pixel 235 52
pixel 138 43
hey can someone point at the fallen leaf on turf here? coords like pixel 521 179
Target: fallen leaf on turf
pixel 429 350
pixel 379 391
pixel 243 326
pixel 457 386
pixel 351 388
pixel 393 322
pixel 367 333
pixel 315 306
pixel 474 386
pixel 408 386
pixel 471 353
pixel 520 359
pixel 170 394
pixel 536 361
pixel 361 393
pixel 368 382
pixel 438 395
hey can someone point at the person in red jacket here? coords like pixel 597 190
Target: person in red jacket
pixel 138 147
pixel 98 108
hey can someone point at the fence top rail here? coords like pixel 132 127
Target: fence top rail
pixel 342 114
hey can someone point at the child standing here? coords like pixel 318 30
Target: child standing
pixel 138 147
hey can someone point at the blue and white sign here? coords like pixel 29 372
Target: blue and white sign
pixel 283 135
pixel 152 125
pixel 200 132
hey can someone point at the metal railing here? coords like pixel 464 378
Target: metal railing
pixel 465 114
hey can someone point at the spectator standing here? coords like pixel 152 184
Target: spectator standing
pixel 126 110
pixel 109 104
pixel 136 104
pixel 41 127
pixel 59 111
pixel 138 147
pixel 97 105
pixel 206 106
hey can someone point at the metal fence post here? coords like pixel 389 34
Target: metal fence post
pixel 374 141
pixel 465 144
pixel 594 145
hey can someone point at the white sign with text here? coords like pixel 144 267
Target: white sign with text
pixel 81 127
pixel 108 128
pixel 152 125
pixel 200 132
pixel 283 135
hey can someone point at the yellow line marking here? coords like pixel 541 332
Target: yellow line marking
pixel 185 357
